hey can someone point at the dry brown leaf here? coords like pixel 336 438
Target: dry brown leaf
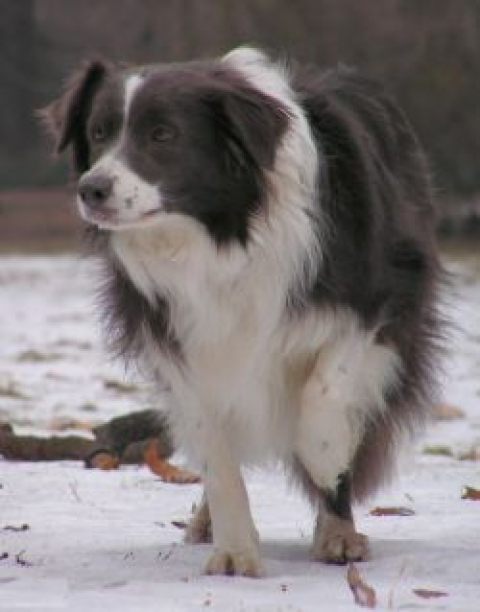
pixel 391 511
pixel 104 460
pixel 167 472
pixel 471 493
pixel 364 595
pixel 472 455
pixel 429 594
pixel 447 412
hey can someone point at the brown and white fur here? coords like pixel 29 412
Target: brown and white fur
pixel 267 238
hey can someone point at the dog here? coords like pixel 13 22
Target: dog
pixel 269 259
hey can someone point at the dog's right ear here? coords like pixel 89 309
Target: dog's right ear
pixel 66 118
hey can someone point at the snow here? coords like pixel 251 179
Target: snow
pixel 96 540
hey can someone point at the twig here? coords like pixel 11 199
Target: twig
pixel 19 560
pixel 396 583
pixel 363 594
pixel 74 489
pixel 23 527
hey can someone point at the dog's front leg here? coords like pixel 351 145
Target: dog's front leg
pixel 235 540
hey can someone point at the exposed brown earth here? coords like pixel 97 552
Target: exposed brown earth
pixel 39 220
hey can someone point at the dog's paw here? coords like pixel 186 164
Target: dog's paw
pixel 339 543
pixel 235 563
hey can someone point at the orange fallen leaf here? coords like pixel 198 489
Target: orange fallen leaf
pixel 391 511
pixel 364 595
pixel 447 412
pixel 104 460
pixel 167 472
pixel 428 594
pixel 471 493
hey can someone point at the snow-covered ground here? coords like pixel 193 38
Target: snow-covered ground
pixel 98 539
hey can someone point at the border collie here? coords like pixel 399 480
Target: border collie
pixel 269 258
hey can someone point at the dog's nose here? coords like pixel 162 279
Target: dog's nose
pixel 94 190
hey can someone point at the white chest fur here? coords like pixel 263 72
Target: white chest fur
pixel 274 384
pixel 226 315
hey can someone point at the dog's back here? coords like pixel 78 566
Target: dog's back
pixel 381 259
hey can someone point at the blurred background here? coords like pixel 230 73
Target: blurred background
pixel 425 51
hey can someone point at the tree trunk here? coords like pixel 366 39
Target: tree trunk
pixel 17 75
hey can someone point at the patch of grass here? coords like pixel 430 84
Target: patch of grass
pixel 119 386
pixel 10 390
pixel 33 356
pixel 439 450
pixel 75 344
pixel 89 407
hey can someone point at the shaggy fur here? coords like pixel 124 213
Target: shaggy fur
pixel 269 252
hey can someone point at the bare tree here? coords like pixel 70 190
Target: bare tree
pixel 17 69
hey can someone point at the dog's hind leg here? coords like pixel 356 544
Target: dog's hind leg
pixel 326 440
pixel 335 539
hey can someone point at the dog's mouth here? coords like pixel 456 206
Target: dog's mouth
pixel 112 219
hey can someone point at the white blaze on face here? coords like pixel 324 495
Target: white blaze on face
pixel 131 86
pixel 132 201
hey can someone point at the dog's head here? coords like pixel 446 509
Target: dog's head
pixel 195 139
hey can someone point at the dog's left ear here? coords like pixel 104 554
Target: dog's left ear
pixel 259 122
pixel 66 118
pixel 251 124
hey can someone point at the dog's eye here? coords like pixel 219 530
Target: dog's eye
pixel 163 133
pixel 98 133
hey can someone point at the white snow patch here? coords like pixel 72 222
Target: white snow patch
pixel 106 540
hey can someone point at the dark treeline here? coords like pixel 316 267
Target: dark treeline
pixel 426 51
